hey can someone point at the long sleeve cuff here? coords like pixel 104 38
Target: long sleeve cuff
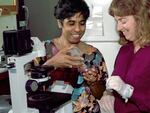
pixel 127 92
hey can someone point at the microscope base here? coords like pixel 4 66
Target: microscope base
pixel 30 110
pixel 48 102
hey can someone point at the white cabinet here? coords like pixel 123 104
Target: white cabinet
pixel 100 25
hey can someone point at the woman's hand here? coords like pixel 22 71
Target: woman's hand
pixel 91 74
pixel 63 59
pixel 122 88
pixel 107 103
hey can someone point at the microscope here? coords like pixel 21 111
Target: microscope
pixel 28 88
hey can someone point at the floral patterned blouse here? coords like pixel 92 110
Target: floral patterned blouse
pixel 84 94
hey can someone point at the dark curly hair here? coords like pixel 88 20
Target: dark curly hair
pixel 68 8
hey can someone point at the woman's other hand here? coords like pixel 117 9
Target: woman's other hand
pixel 91 74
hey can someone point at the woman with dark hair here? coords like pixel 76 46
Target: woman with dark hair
pixel 80 64
pixel 128 88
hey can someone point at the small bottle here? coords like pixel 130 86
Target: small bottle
pixel 75 51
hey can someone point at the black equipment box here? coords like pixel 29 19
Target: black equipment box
pixel 17 42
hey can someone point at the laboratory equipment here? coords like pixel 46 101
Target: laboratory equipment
pixel 27 92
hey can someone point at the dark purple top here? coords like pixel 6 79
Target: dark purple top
pixel 134 69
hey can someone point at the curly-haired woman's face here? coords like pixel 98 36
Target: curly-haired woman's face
pixel 73 28
pixel 127 25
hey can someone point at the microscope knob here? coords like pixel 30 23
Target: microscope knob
pixel 31 86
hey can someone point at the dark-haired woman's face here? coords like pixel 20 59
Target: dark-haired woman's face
pixel 73 28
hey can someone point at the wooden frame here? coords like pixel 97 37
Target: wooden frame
pixel 8 9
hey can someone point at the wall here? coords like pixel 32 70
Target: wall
pixel 41 20
pixel 6 2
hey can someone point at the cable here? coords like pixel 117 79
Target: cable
pixel 26 16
